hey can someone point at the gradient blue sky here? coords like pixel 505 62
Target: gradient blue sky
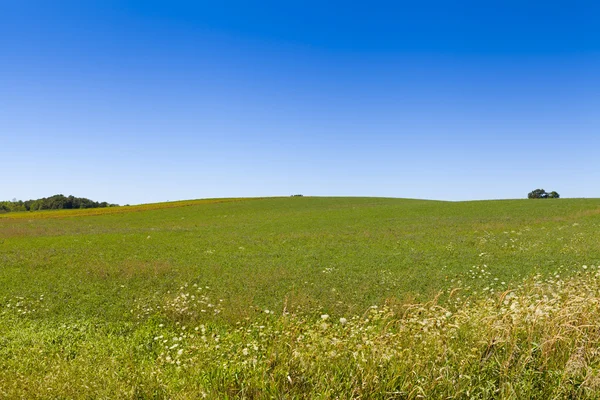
pixel 136 102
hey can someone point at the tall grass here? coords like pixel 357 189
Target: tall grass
pixel 537 340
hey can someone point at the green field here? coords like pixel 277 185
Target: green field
pixel 91 300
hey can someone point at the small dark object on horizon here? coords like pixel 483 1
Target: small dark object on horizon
pixel 297 195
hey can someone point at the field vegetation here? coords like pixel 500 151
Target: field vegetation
pixel 302 298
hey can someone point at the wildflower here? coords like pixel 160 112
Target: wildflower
pixel 324 317
pixel 343 321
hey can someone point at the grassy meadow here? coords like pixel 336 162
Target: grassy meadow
pixel 303 298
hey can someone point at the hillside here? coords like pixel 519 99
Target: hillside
pixel 223 262
pixel 264 251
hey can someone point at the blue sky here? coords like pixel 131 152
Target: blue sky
pixel 136 102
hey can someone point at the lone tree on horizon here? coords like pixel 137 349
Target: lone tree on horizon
pixel 541 194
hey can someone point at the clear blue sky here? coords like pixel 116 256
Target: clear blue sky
pixel 135 102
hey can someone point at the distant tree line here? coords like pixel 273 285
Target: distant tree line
pixel 541 194
pixel 56 202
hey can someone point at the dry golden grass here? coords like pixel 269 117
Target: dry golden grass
pixel 116 210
